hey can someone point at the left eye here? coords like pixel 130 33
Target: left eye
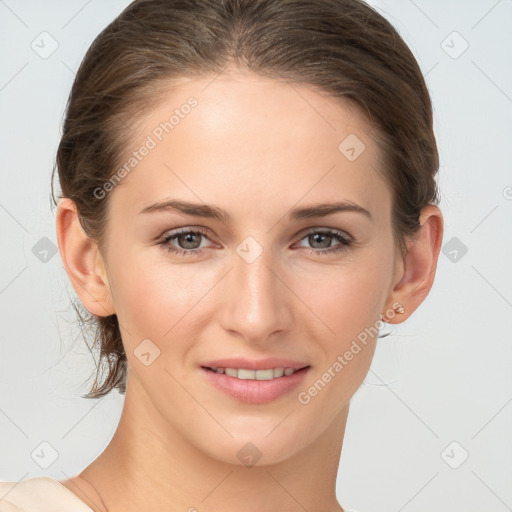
pixel 191 242
pixel 324 238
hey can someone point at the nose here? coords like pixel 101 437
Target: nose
pixel 256 301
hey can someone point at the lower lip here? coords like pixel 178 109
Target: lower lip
pixel 255 391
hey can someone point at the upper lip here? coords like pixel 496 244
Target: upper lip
pixel 255 364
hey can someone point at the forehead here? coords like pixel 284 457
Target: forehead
pixel 242 137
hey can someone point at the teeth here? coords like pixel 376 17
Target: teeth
pixel 278 372
pixel 244 374
pixel 231 372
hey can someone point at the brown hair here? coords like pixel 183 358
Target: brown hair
pixel 342 47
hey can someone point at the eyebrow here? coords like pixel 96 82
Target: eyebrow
pixel 214 212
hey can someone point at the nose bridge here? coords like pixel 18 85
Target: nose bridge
pixel 257 302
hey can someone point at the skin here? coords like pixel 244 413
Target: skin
pixel 256 148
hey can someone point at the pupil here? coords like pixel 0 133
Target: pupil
pixel 187 237
pixel 320 236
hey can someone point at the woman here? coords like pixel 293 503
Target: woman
pixel 248 193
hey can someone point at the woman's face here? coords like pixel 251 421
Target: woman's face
pixel 266 277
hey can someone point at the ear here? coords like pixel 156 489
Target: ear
pixel 418 268
pixel 83 261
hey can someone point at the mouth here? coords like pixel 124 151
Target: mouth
pixel 248 374
pixel 256 386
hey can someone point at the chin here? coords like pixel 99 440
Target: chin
pixel 253 448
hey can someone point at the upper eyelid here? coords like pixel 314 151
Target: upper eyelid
pixel 314 229
pixel 179 231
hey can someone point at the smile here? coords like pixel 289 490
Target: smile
pixel 255 386
pixel 245 374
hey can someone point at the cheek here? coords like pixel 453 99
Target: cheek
pixel 349 314
pixel 346 323
pixel 345 300
pixel 156 300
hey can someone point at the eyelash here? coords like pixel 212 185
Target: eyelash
pixel 345 242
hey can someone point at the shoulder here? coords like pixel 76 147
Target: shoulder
pixel 41 494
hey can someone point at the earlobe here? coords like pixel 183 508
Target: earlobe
pixel 419 265
pixel 82 261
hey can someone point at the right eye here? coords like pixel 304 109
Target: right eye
pixel 185 237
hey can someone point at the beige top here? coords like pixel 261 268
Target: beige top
pixel 44 494
pixel 39 494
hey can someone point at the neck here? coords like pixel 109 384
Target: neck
pixel 148 464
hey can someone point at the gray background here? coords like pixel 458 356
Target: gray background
pixel 438 391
